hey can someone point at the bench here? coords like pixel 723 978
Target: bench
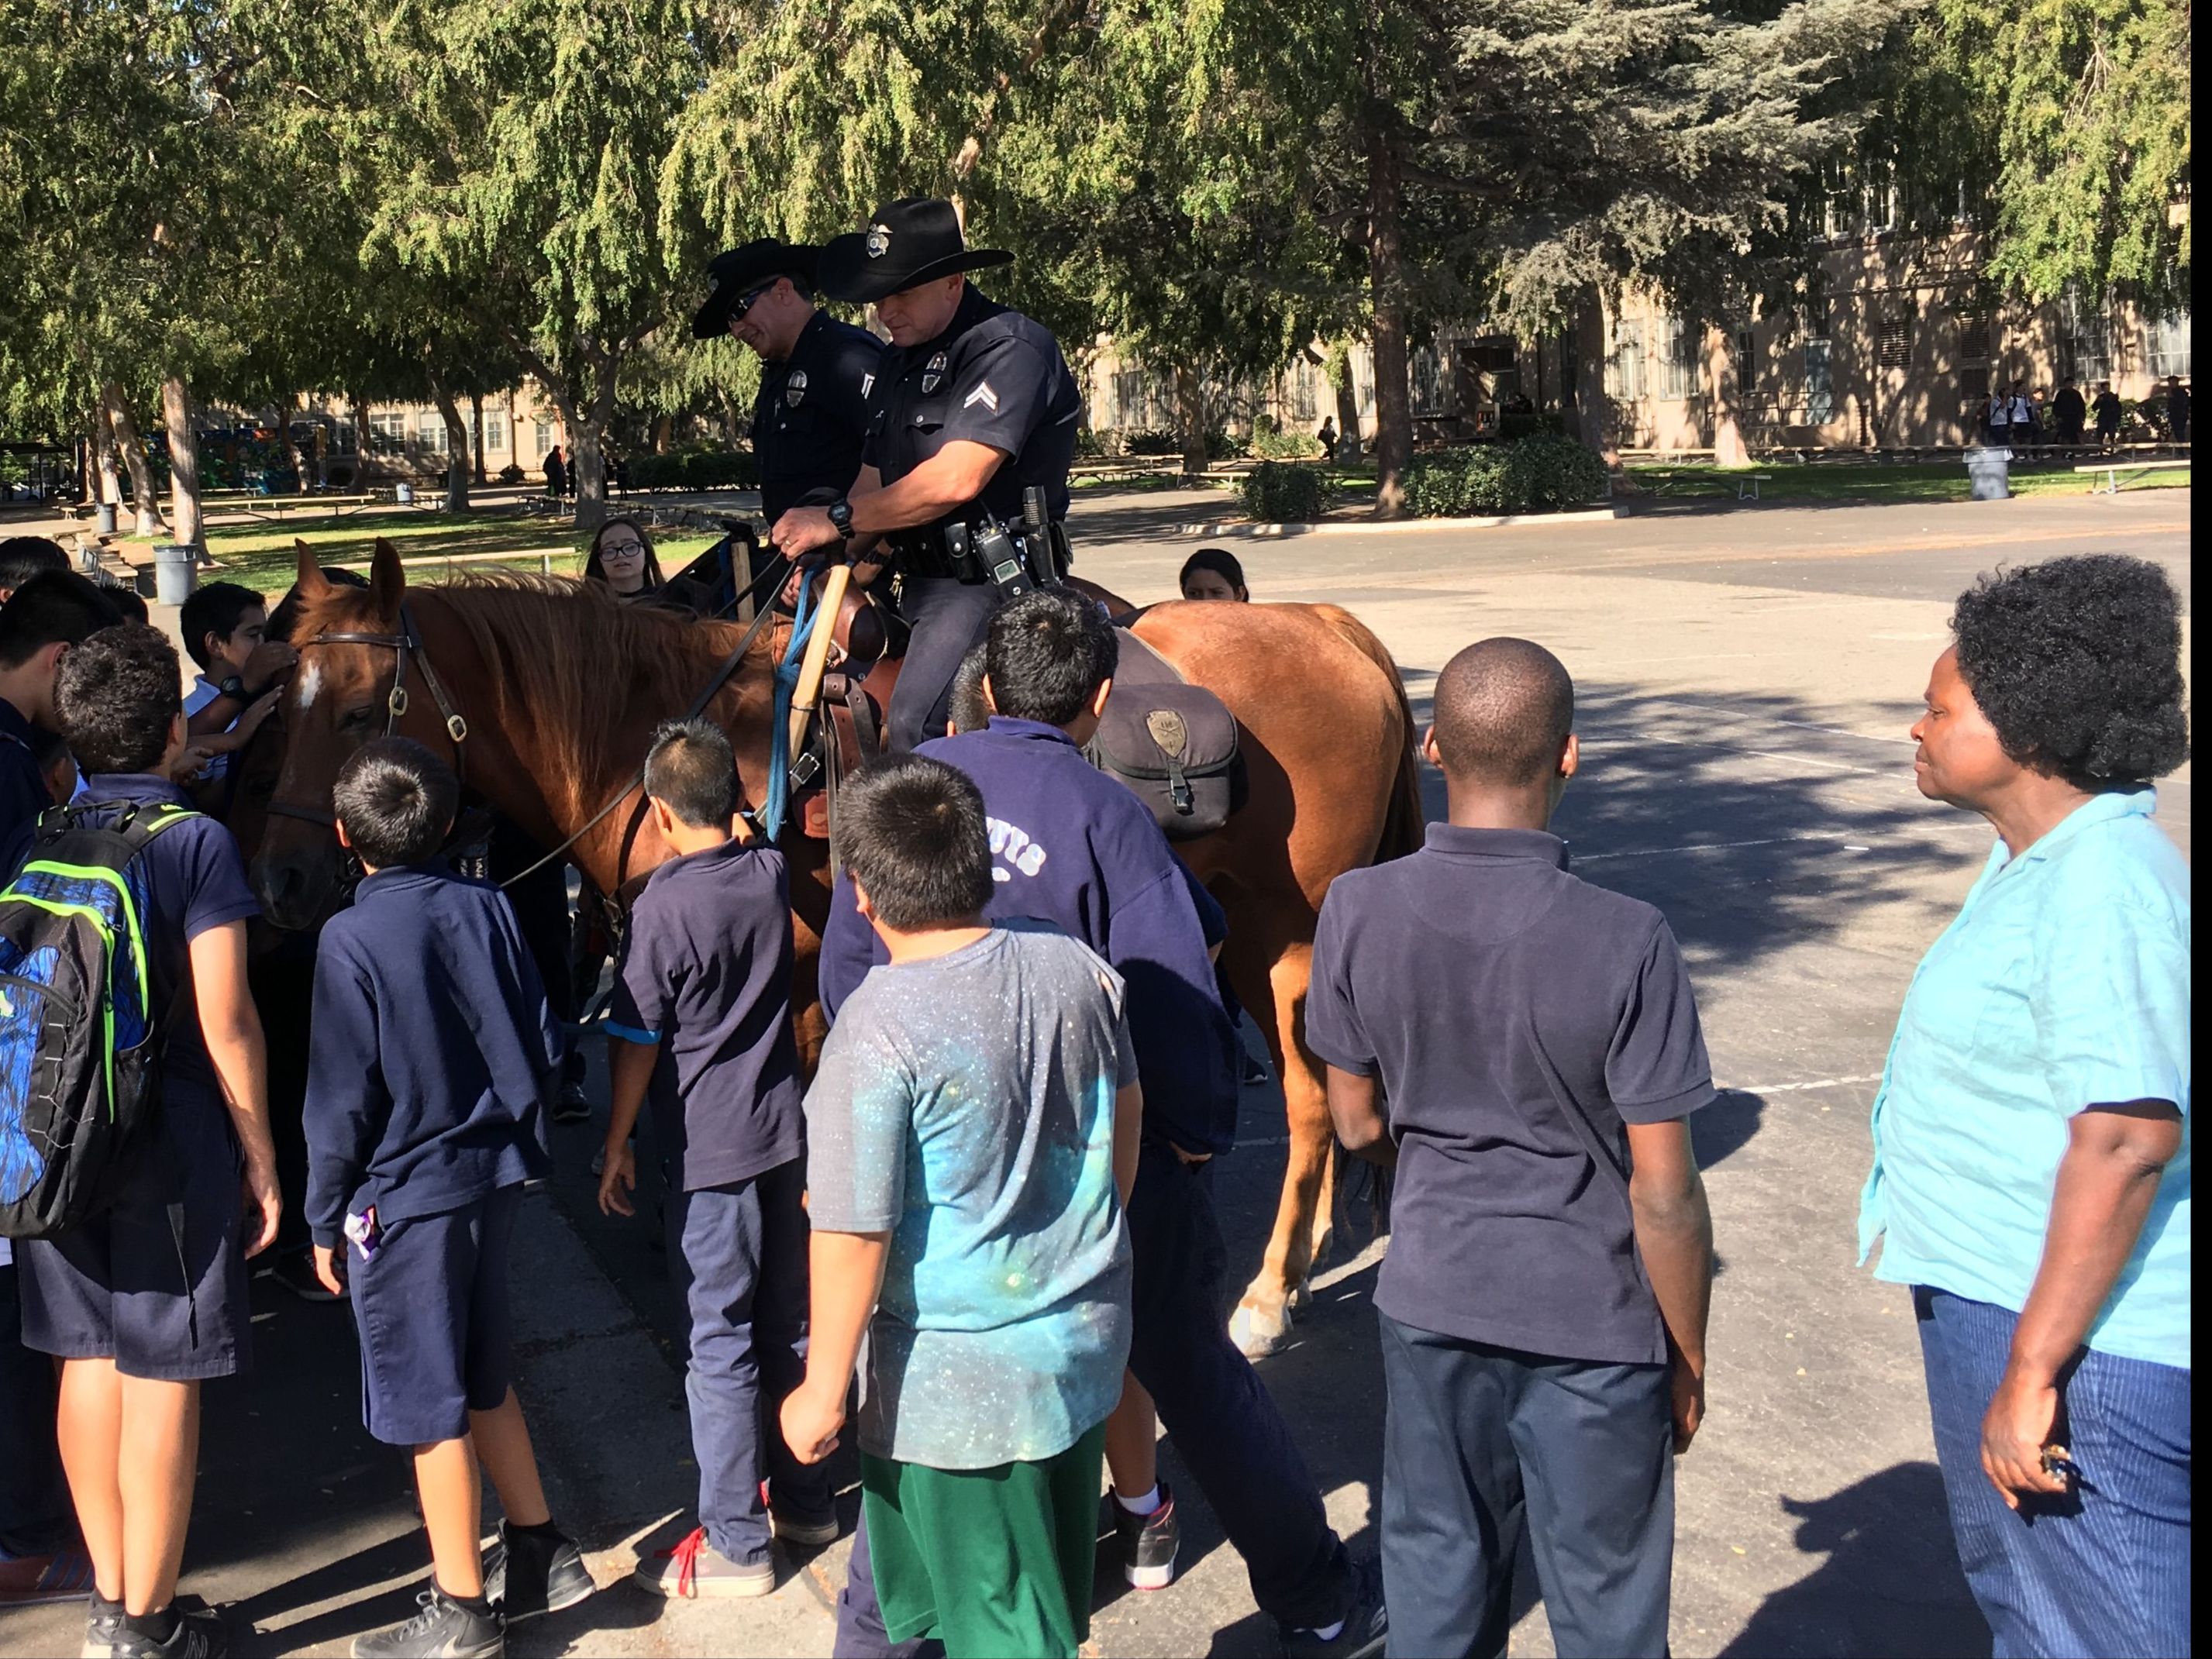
pixel 1751 481
pixel 2133 468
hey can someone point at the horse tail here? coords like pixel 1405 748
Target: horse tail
pixel 1404 824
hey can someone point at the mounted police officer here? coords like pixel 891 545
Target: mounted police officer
pixel 811 414
pixel 974 407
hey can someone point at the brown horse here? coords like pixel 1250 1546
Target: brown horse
pixel 560 687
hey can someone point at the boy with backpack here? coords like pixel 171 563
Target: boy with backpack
pixel 132 1239
pixel 1543 1304
pixel 702 1018
pixel 973 1134
pixel 432 1055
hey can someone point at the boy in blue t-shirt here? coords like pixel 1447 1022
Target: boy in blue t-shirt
pixel 973 1135
pixel 702 1020
pixel 146 1299
pixel 432 1052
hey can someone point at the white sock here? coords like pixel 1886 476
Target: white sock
pixel 1329 1633
pixel 1144 1506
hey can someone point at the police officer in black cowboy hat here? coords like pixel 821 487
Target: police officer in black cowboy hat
pixel 812 412
pixel 975 405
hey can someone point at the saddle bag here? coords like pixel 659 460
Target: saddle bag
pixel 1173 743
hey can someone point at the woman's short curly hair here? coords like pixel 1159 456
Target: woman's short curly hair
pixel 2076 662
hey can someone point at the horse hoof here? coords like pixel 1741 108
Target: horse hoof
pixel 1257 1332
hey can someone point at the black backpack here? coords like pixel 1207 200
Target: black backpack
pixel 80 1043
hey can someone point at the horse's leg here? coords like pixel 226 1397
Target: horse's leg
pixel 1261 1321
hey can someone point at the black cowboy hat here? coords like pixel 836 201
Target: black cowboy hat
pixel 913 240
pixel 742 269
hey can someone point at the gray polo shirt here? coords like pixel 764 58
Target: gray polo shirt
pixel 1519 1019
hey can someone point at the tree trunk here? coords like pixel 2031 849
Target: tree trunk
pixel 1190 420
pixel 587 451
pixel 457 445
pixel 184 464
pixel 476 426
pixel 662 428
pixel 134 460
pixel 1386 265
pixel 1728 446
pixel 1598 427
pixel 106 473
pixel 1347 410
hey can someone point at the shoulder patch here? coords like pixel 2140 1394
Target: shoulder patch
pixel 982 394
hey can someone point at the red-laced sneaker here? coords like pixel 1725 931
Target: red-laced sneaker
pixel 696 1569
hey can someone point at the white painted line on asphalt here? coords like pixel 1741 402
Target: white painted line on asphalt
pixel 1789 1088
pixel 1709 847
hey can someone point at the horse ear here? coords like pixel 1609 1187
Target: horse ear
pixel 313 584
pixel 387 582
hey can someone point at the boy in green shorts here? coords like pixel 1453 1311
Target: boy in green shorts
pixel 972 1134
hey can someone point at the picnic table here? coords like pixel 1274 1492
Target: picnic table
pixel 275 507
pixel 2113 466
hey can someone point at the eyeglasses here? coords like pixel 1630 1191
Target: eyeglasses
pixel 738 310
pixel 620 550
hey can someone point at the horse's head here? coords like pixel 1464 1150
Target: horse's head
pixel 339 699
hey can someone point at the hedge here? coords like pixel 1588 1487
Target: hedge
pixel 694 468
pixel 1283 492
pixel 1543 473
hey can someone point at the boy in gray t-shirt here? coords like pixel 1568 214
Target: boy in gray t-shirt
pixel 972 1134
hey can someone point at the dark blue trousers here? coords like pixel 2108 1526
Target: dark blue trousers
pixel 739 1256
pixel 2104 1569
pixel 1480 1443
pixel 35 1516
pixel 1224 1424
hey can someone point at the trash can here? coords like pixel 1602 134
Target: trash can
pixel 176 573
pixel 404 494
pixel 107 518
pixel 1991 470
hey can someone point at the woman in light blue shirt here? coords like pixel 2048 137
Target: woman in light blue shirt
pixel 2030 1170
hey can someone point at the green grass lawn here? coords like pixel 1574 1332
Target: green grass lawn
pixel 264 556
pixel 1920 481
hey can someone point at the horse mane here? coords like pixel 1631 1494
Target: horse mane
pixel 567 661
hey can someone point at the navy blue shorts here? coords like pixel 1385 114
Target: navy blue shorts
pixel 432 1306
pixel 157 1282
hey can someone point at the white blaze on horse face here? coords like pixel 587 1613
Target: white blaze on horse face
pixel 311 681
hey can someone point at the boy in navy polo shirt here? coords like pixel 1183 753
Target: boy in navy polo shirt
pixel 146 1299
pixel 702 1020
pixel 1073 847
pixel 1543 1304
pixel 432 1053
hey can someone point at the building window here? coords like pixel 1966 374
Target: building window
pixel 544 437
pixel 1820 388
pixel 1746 361
pixel 2085 342
pixel 1304 395
pixel 1624 370
pixel 494 432
pixel 2166 346
pixel 1678 370
pixel 1892 340
pixel 431 434
pixel 1428 375
pixel 1974 334
pixel 387 432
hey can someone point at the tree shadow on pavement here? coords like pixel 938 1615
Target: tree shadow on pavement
pixel 1891 1583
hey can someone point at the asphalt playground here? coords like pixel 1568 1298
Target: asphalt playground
pixel 1746 677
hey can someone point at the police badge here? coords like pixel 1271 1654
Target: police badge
pixel 794 389
pixel 932 374
pixel 879 241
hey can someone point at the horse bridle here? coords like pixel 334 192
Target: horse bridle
pixel 405 644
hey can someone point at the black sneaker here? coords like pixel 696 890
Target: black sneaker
pixel 1146 1544
pixel 444 1629
pixel 529 1573
pixel 572 1104
pixel 103 1625
pixel 198 1635
pixel 1367 1624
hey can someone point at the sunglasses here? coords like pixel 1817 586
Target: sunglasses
pixel 738 310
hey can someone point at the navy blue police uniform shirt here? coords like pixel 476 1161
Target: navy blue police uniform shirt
pixel 993 377
pixel 706 973
pixel 1518 1019
pixel 429 1055
pixel 1073 848
pixel 811 416
pixel 194 880
pixel 23 793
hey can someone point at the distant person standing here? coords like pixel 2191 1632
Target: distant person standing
pixel 2030 1135
pixel 1327 436
pixel 2177 409
pixel 556 474
pixel 2023 415
pixel 2108 412
pixel 2070 410
pixel 1996 418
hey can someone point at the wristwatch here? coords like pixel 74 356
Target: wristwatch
pixel 840 515
pixel 231 686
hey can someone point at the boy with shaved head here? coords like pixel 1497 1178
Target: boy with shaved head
pixel 1543 1304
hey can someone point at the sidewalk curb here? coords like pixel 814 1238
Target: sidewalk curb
pixel 1369 527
